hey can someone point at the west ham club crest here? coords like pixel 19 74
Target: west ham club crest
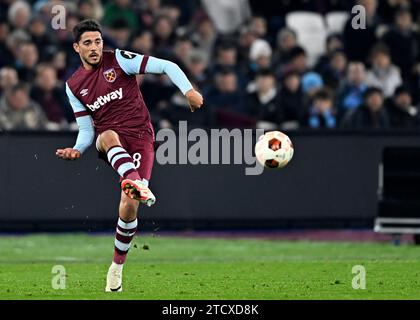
pixel 110 75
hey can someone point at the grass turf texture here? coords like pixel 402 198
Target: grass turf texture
pixel 197 268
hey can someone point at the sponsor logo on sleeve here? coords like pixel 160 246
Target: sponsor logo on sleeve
pixel 128 55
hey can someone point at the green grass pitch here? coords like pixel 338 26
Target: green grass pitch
pixel 202 268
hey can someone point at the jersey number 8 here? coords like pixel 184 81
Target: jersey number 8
pixel 136 160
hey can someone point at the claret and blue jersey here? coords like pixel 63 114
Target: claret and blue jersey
pixel 108 97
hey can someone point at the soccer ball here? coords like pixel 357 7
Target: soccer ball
pixel 274 150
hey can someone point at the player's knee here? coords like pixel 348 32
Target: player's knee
pixel 109 139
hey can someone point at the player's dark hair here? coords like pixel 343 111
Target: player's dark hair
pixel 85 26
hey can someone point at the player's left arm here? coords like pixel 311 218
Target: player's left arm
pixel 133 63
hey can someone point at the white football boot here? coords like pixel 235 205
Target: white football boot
pixel 114 278
pixel 137 190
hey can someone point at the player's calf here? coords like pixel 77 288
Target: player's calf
pixel 124 235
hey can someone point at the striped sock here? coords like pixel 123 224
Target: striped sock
pixel 123 237
pixel 122 162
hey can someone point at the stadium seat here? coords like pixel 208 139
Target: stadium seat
pixel 336 21
pixel 311 32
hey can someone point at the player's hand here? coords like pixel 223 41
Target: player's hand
pixel 68 154
pixel 195 99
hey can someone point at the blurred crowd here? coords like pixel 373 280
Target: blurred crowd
pixel 241 54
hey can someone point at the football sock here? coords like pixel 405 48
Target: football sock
pixel 124 235
pixel 122 162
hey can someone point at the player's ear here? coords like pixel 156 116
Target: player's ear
pixel 76 47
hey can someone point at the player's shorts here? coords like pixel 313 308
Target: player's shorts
pixel 140 146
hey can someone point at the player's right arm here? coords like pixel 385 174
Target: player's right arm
pixel 133 63
pixel 86 130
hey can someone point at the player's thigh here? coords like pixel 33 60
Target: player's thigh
pixel 106 140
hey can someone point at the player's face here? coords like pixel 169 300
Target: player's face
pixel 90 48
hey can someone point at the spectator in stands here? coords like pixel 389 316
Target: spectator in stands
pixel 321 113
pixel 264 103
pixel 51 98
pixel 402 113
pixel 204 37
pixel 258 26
pixel 19 14
pixel 15 39
pixel 311 83
pixel 292 100
pixel 85 9
pixel 147 12
pixel 286 41
pixel 350 96
pixel 383 74
pixel 157 92
pixel 59 63
pixel 120 10
pixel 182 51
pixel 142 42
pixel 197 66
pixel 6 56
pixel 358 42
pixel 260 58
pixel 334 43
pixel 260 55
pixel 120 33
pixel 8 79
pixel 387 8
pixel 334 73
pixel 371 115
pixel 65 40
pixel 245 41
pixel 227 57
pixel 297 61
pixel 226 100
pixel 27 58
pixel 42 39
pixel 404 42
pixel 90 9
pixel 18 112
pixel 164 35
pixel 172 12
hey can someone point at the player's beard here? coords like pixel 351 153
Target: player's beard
pixel 95 64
